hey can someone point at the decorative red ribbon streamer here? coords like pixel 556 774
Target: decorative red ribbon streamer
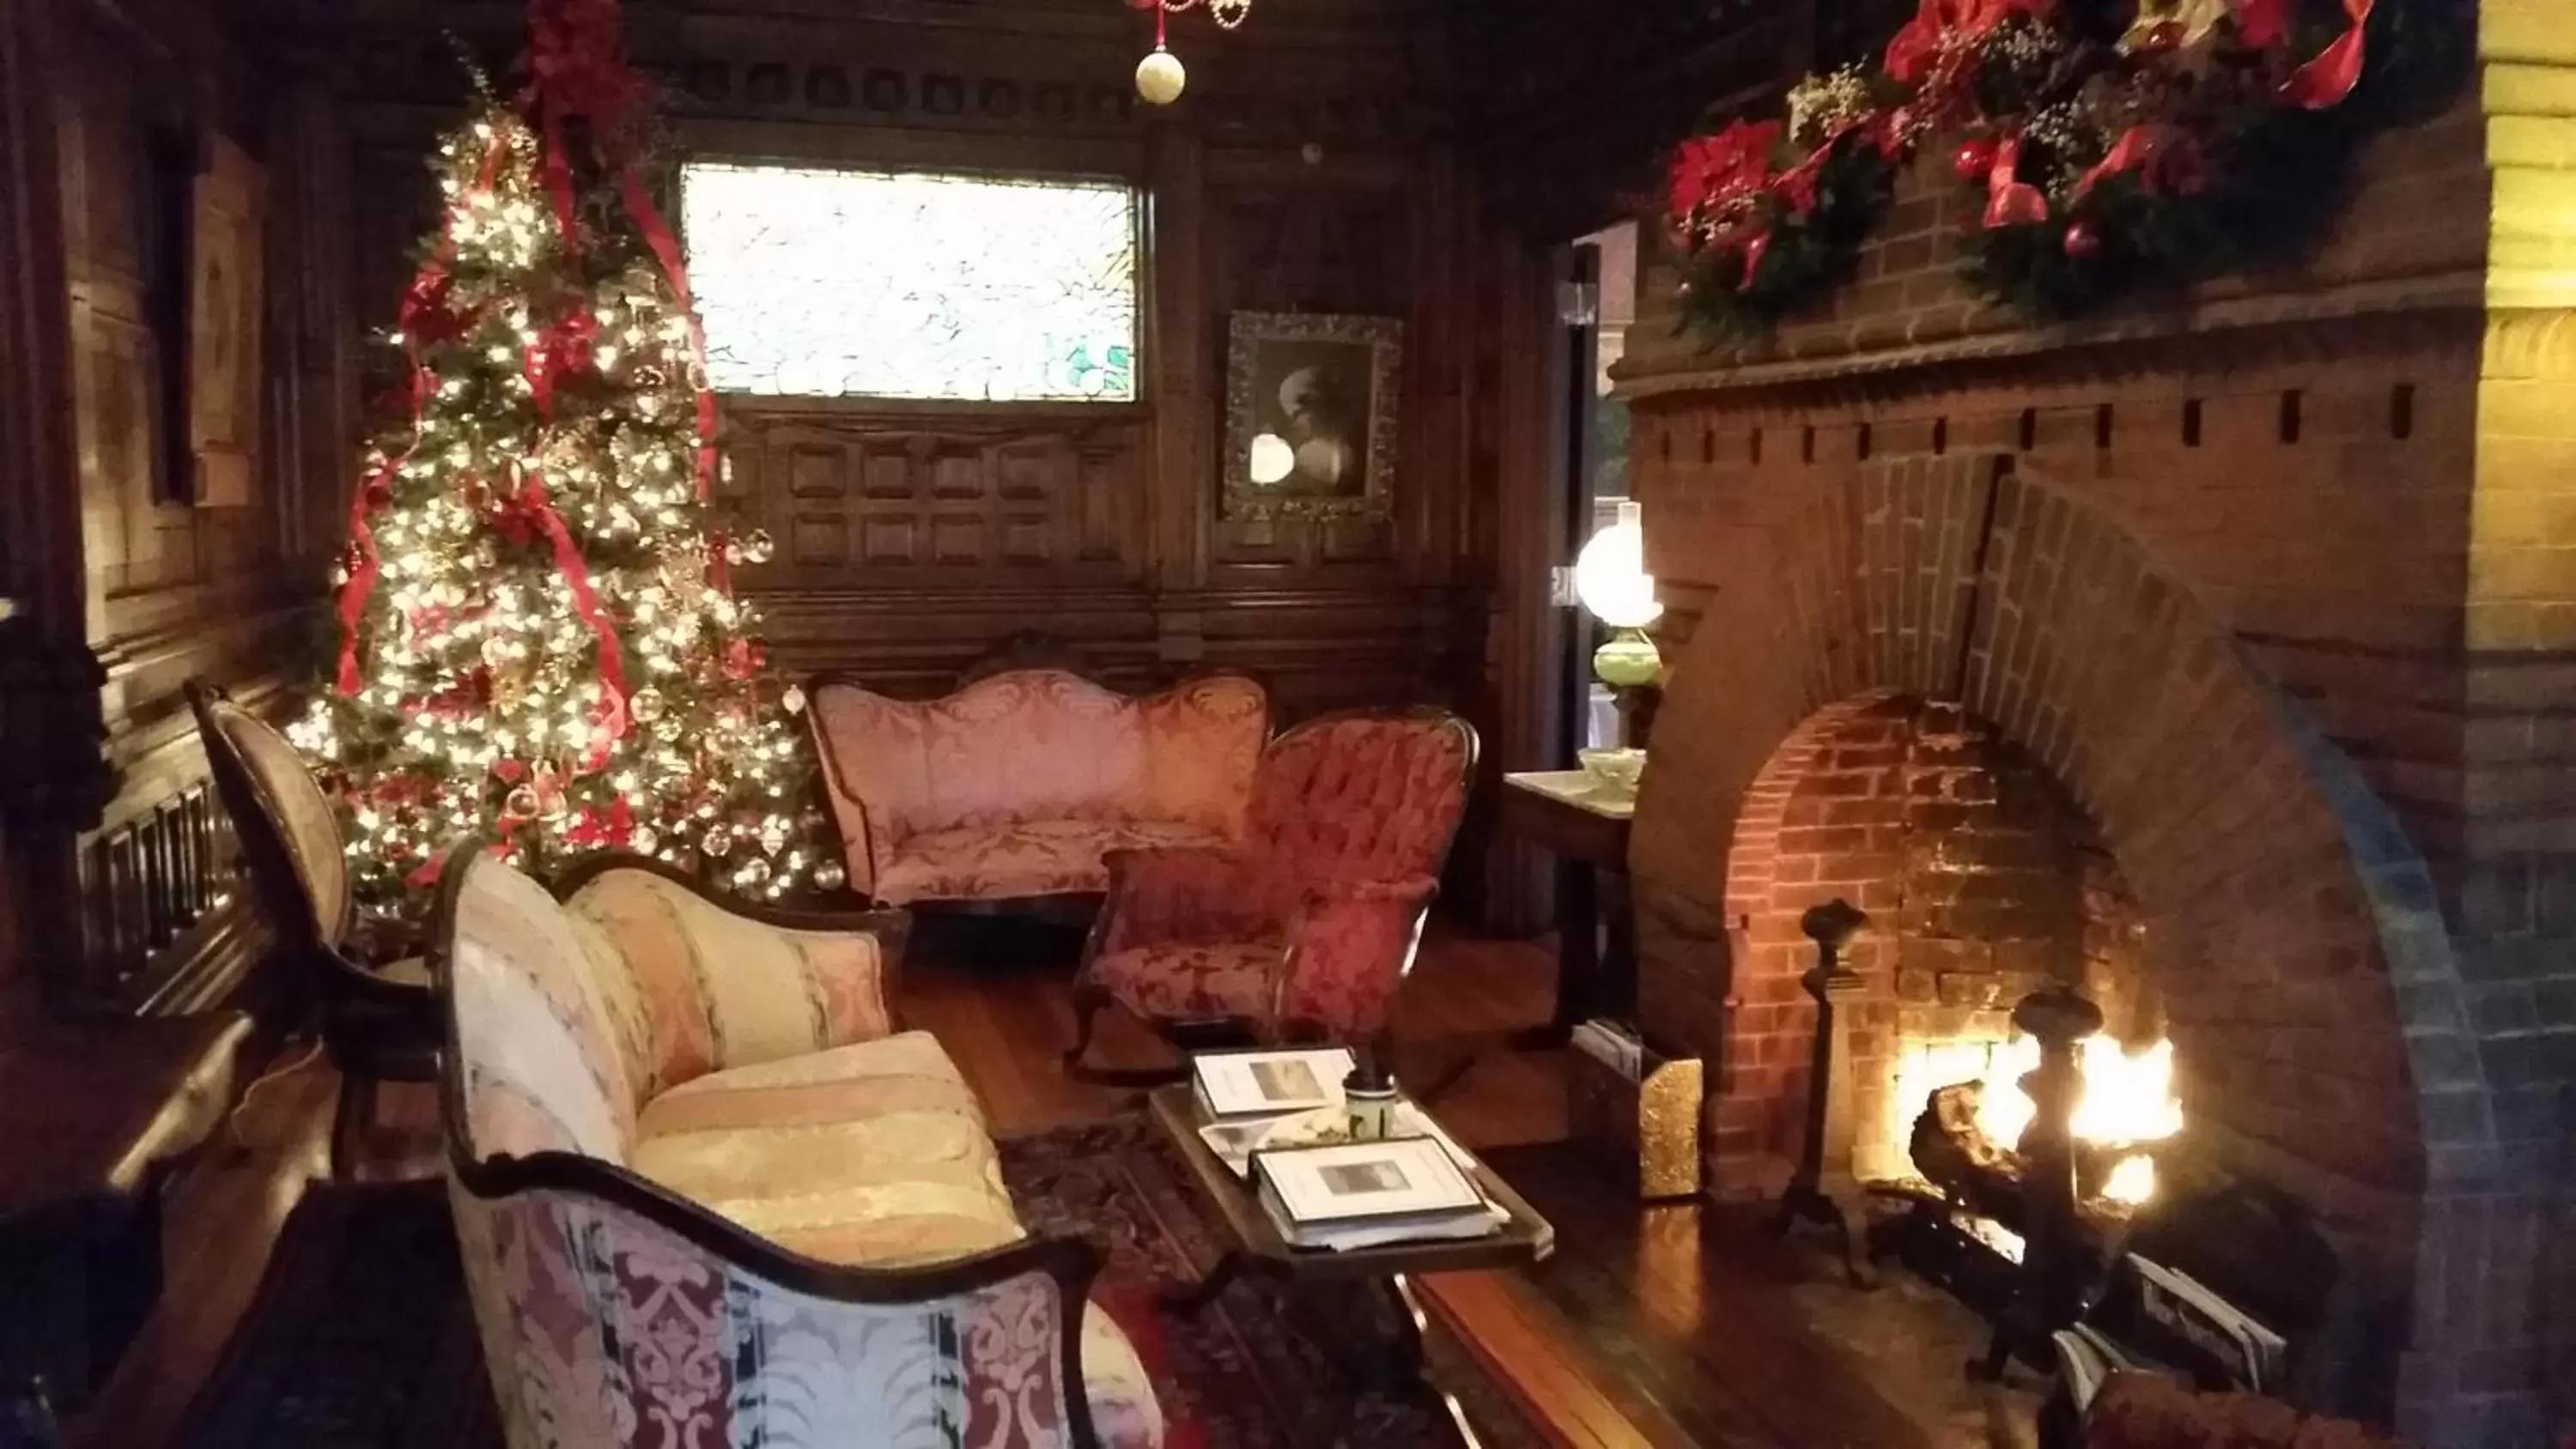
pixel 585 594
pixel 2011 201
pixel 428 293
pixel 2165 156
pixel 2325 82
pixel 666 250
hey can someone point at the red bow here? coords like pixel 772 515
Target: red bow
pixel 2011 201
pixel 576 66
pixel 563 348
pixel 595 829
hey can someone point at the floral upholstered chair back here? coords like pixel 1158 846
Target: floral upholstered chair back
pixel 260 774
pixel 1363 797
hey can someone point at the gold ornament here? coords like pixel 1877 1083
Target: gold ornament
pixel 563 453
pixel 755 871
pixel 718 842
pixel 645 706
pixel 793 700
pixel 757 546
pixel 644 840
pixel 2167 23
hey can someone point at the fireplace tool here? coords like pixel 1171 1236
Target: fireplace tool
pixel 2048 1293
pixel 1823 1189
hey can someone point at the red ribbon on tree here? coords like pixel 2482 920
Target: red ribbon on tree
pixel 426 316
pixel 576 575
pixel 666 250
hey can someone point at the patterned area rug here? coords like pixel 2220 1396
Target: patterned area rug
pixel 361 1338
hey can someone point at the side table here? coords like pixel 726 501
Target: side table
pixel 1255 1245
pixel 1566 814
pixel 93 1113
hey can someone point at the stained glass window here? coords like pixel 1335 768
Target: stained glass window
pixel 832 283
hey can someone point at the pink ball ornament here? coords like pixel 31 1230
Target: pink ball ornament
pixel 2083 241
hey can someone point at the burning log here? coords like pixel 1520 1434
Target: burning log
pixel 1950 1148
pixel 1955 1153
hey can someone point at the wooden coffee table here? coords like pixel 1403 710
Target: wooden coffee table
pixel 1253 1245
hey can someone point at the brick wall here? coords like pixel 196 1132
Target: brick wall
pixel 2280 582
pixel 1982 882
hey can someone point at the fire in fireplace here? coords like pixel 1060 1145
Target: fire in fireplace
pixel 2126 1106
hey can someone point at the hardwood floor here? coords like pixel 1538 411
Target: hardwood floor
pixel 1650 1327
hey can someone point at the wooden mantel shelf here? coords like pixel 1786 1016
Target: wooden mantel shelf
pixel 2121 344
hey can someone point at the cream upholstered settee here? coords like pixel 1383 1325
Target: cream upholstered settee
pixel 1019 784
pixel 706 1193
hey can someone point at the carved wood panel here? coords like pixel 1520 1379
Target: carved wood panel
pixel 150 884
pixel 1294 242
pixel 126 902
pixel 856 499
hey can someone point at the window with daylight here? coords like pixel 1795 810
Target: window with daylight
pixel 831 283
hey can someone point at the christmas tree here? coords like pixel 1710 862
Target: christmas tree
pixel 538 636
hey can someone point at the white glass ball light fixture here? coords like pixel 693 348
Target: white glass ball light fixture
pixel 1610 578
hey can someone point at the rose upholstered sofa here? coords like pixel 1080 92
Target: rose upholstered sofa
pixel 1308 924
pixel 1019 784
pixel 706 1193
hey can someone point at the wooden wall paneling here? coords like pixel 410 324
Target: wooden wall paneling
pixel 1189 389
pixel 1521 535
pixel 1290 234
pixel 48 709
pixel 144 911
pixel 908 497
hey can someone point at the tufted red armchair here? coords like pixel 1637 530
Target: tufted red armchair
pixel 1311 922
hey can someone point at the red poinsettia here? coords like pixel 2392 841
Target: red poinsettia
pixel 1943 25
pixel 1719 170
pixel 596 829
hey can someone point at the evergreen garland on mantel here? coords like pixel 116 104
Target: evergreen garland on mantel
pixel 2121 146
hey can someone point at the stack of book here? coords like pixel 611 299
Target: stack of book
pixel 1372 1194
pixel 1235 1086
pixel 1278 1119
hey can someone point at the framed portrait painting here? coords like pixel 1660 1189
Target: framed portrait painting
pixel 1310 409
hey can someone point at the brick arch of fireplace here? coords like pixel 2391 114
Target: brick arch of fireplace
pixel 2296 943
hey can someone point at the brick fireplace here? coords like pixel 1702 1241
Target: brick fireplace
pixel 1984 883
pixel 2220 659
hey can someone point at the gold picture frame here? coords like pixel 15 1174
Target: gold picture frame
pixel 1311 405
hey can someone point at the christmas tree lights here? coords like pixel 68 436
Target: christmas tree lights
pixel 540 640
